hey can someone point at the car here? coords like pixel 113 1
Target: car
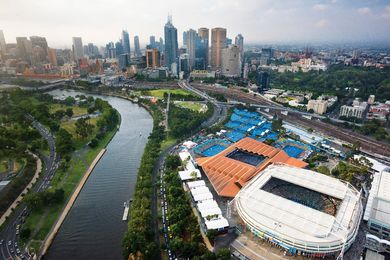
pixel 9 242
pixel 1 241
pixel 18 251
pixel 16 244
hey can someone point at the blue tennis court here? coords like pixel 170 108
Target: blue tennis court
pixel 235 136
pixel 233 124
pixel 213 150
pixel 293 151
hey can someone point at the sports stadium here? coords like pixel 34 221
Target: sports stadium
pixel 300 210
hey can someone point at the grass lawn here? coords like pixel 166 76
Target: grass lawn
pixel 70 126
pixel 194 106
pixel 167 142
pixel 159 93
pixel 3 166
pixel 67 181
pixel 77 111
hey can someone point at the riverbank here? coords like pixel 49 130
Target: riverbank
pixel 70 203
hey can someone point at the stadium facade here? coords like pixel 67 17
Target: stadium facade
pixel 302 211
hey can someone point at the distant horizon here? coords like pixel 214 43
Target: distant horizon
pixel 259 21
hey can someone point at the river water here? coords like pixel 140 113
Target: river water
pixel 94 228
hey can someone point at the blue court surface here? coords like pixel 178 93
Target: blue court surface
pixel 213 150
pixel 293 151
pixel 235 136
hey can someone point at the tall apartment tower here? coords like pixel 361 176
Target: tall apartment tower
pixel 152 58
pixel 137 49
pixel 231 61
pixel 24 49
pixel 171 46
pixel 77 48
pixel 192 39
pixel 203 34
pixel 52 55
pixel 239 42
pixel 125 42
pixel 152 41
pixel 2 43
pixel 218 42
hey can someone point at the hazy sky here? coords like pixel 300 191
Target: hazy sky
pixel 101 21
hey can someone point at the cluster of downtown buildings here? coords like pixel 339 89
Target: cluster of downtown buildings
pixel 206 52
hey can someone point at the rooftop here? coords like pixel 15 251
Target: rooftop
pixel 229 175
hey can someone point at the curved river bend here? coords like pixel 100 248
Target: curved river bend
pixel 94 228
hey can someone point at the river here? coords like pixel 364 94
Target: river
pixel 94 228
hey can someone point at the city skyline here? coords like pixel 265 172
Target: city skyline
pixel 259 21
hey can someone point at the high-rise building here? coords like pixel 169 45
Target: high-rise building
pixel 125 42
pixel 262 80
pixel 39 41
pixel 152 58
pixel 185 38
pixel 231 61
pixel 110 50
pixel 161 45
pixel 52 55
pixel 218 42
pixel 118 49
pixel 152 42
pixel 77 48
pixel 170 51
pixel 124 60
pixel 192 40
pixel 2 43
pixel 202 54
pixel 239 41
pixel 228 42
pixel 24 49
pixel 137 49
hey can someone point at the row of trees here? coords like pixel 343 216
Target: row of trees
pixel 139 238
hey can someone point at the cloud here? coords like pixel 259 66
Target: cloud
pixel 321 23
pixel 386 12
pixel 364 10
pixel 320 7
pixel 333 1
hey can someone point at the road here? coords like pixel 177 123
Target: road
pixel 9 248
pixel 219 115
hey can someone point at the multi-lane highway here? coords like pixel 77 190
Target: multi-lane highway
pixel 9 247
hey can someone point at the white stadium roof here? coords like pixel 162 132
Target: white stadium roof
pixel 217 223
pixel 187 175
pixel 200 190
pixel 208 204
pixel 194 184
pixel 294 223
pixel 209 212
pixel 203 196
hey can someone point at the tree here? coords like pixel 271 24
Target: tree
pixel 69 112
pixel 211 234
pixel 277 125
pixel 69 101
pixel 83 128
pixel 172 162
pixel 223 254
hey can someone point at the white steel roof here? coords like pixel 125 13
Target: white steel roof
pixel 203 196
pixel 209 212
pixel 194 184
pixel 217 223
pixel 294 221
pixel 208 204
pixel 200 190
pixel 187 175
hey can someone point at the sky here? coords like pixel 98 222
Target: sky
pixel 259 21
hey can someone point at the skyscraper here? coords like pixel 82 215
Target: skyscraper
pixel 152 58
pixel 24 48
pixel 185 38
pixel 52 55
pixel 2 43
pixel 239 41
pixel 110 50
pixel 192 39
pixel 152 41
pixel 231 61
pixel 77 48
pixel 170 35
pixel 119 49
pixel 137 50
pixel 203 34
pixel 218 42
pixel 39 41
pixel 125 42
pixel 161 45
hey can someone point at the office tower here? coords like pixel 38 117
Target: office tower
pixel 124 60
pixel 152 41
pixel 262 80
pixel 228 41
pixel 218 42
pixel 39 41
pixel 203 34
pixel 161 45
pixel 137 49
pixel 77 48
pixel 24 48
pixel 239 41
pixel 3 45
pixel 125 42
pixel 192 40
pixel 152 58
pixel 110 50
pixel 185 38
pixel 118 49
pixel 231 61
pixel 52 55
pixel 170 51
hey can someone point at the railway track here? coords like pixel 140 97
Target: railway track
pixel 367 144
